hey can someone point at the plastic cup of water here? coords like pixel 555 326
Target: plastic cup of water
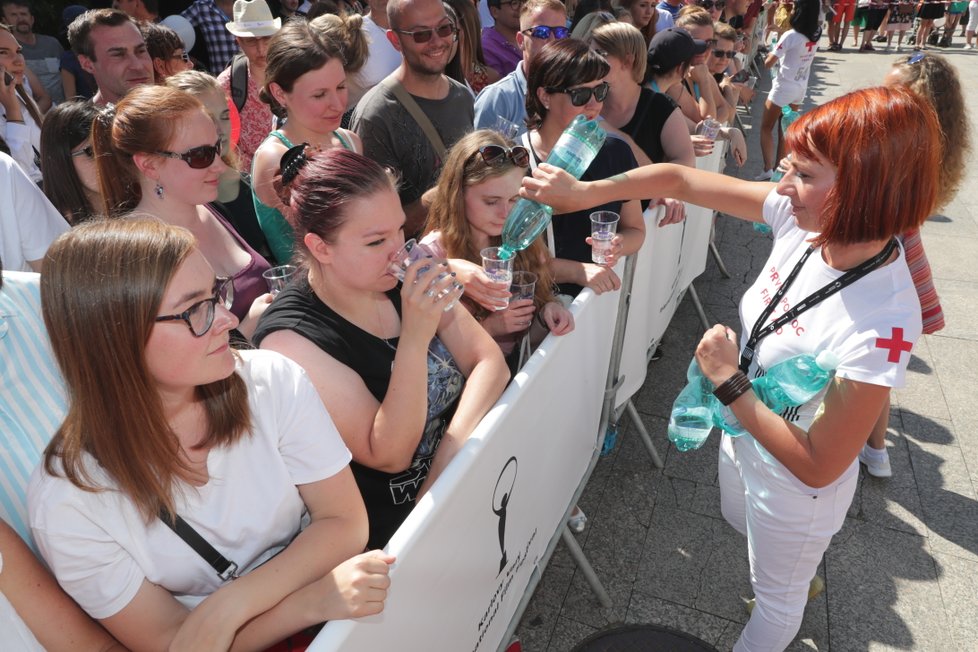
pixel 413 251
pixel 708 128
pixel 523 287
pixel 497 268
pixel 604 226
pixel 279 277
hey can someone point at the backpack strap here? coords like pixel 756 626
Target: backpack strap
pixel 239 81
pixel 419 116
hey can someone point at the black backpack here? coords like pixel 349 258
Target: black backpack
pixel 239 81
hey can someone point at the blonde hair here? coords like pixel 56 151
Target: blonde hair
pixel 463 169
pixel 101 290
pixel 623 40
pixel 346 32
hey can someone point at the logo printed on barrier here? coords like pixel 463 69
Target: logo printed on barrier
pixel 501 495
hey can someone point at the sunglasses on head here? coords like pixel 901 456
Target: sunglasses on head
pixel 720 54
pixel 710 4
pixel 84 151
pixel 916 58
pixel 199 157
pixel 495 155
pixel 582 95
pixel 424 35
pixel 543 32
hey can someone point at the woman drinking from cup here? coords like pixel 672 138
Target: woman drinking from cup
pixel 170 432
pixel 840 282
pixel 478 186
pixel 567 79
pixel 158 153
pixel 405 380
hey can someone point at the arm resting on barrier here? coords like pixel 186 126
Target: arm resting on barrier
pixel 732 196
pixel 486 375
pixel 819 456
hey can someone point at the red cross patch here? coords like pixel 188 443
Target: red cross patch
pixel 895 344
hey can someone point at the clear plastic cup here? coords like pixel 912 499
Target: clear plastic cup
pixel 279 277
pixel 497 268
pixel 523 287
pixel 604 226
pixel 413 251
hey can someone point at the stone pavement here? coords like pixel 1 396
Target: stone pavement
pixel 902 574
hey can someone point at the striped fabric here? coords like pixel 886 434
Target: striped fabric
pixel 930 304
pixel 32 394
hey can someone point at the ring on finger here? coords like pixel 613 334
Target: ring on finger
pixel 429 293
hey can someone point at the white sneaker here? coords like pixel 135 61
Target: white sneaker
pixel 877 465
pixel 968 47
pixel 764 176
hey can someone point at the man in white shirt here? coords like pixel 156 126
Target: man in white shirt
pixel 382 60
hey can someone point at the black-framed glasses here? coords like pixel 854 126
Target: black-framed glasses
pixel 544 32
pixel 724 54
pixel 424 35
pixel 200 317
pixel 495 155
pixel 710 4
pixel 199 157
pixel 582 95
pixel 87 150
pixel 183 56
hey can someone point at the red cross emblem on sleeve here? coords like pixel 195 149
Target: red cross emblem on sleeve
pixel 895 344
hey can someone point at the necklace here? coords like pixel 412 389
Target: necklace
pixel 442 363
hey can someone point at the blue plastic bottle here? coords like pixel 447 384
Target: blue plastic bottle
pixel 691 419
pixel 573 152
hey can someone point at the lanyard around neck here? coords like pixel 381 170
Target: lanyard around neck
pixel 760 331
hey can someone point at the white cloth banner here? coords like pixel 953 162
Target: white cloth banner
pixel 467 551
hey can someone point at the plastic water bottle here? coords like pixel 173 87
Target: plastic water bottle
pixel 574 151
pixel 691 419
pixel 789 383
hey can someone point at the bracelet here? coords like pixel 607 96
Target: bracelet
pixel 732 388
pixel 16 122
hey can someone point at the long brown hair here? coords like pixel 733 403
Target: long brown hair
pixel 24 96
pixel 463 169
pixel 145 120
pixel 102 287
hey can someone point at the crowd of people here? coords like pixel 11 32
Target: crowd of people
pixel 219 467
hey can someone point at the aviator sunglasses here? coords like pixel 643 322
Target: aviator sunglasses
pixel 581 96
pixel 424 35
pixel 543 32
pixel 199 157
pixel 495 155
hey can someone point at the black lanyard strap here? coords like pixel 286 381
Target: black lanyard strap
pixel 226 569
pixel 760 331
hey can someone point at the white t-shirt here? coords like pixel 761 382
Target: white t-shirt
pixel 28 221
pixel 795 53
pixel 870 325
pixel 100 548
pixel 382 60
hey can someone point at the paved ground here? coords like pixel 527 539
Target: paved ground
pixel 903 572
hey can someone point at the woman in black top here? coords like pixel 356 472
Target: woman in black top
pixel 405 380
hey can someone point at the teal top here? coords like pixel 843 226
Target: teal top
pixel 278 232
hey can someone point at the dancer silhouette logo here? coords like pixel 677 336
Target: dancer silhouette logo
pixel 501 496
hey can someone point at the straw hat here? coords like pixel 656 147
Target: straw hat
pixel 253 18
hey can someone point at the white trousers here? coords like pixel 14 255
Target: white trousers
pixel 788 526
pixel 972 17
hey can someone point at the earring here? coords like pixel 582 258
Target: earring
pixel 158 190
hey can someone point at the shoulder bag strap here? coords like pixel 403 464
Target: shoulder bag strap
pixel 226 569
pixel 419 116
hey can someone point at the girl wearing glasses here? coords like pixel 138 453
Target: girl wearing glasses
pixel 158 153
pixel 66 152
pixel 405 380
pixel 235 444
pixel 843 278
pixel 305 83
pixel 567 79
pixel 478 186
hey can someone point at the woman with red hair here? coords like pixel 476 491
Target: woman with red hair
pixel 836 280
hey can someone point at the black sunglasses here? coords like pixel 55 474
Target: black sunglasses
pixel 199 157
pixel 710 4
pixel 720 54
pixel 183 56
pixel 200 316
pixel 581 96
pixel 424 35
pixel 495 155
pixel 84 151
pixel 543 32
